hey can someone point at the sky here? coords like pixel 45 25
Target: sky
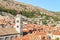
pixel 52 5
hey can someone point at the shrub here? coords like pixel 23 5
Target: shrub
pixel 57 39
pixel 13 12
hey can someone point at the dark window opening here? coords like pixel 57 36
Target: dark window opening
pixel 24 33
pixel 17 26
pixel 7 38
pixel 15 36
pixel 17 21
pixel 34 29
pixel 43 38
pixel 11 37
pixel 39 30
pixel 30 31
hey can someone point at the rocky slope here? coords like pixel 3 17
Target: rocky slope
pixel 11 4
pixel 28 10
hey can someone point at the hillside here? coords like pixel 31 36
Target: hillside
pixel 22 6
pixel 28 10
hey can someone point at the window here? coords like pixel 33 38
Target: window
pixel 17 21
pixel 11 38
pixel 49 37
pixel 43 38
pixel 7 38
pixel 15 36
pixel 17 26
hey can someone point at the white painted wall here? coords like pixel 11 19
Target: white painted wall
pixel 50 35
pixel 18 17
pixel 55 36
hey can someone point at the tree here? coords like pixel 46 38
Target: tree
pixel 28 14
pixel 57 38
pixel 44 22
pixel 11 11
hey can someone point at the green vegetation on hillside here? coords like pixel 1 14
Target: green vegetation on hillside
pixel 57 39
pixel 13 12
pixel 28 14
pixel 32 14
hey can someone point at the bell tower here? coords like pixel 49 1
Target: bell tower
pixel 18 22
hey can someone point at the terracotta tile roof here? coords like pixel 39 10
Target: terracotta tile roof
pixel 36 33
pixel 1 21
pixel 37 26
pixel 30 25
pixel 41 33
pixel 58 28
pixel 26 37
pixel 25 30
pixel 12 24
pixel 29 37
pixel 56 32
pixel 17 39
pixel 34 37
pixel 6 31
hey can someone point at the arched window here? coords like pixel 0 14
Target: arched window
pixel 11 38
pixel 7 38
